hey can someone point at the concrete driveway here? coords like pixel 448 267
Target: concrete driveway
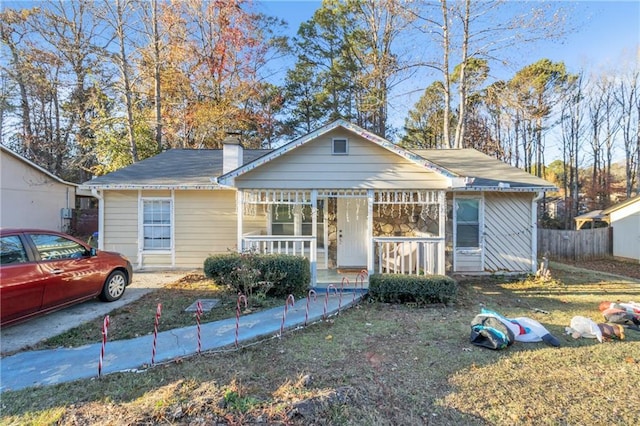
pixel 22 336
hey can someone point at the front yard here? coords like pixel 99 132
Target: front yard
pixel 379 364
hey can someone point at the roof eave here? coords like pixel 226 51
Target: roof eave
pixel 148 186
pixel 504 189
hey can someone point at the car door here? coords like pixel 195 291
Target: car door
pixel 21 280
pixel 70 272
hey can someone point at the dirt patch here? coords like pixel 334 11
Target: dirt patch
pixel 610 266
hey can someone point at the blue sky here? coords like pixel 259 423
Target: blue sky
pixel 605 30
pixel 606 34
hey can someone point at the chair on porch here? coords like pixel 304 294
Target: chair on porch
pixel 401 259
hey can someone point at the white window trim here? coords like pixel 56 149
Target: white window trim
pixel 141 201
pixel 346 147
pixel 469 250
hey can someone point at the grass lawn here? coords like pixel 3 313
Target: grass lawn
pixel 374 364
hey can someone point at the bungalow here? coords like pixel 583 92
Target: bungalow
pixel 342 196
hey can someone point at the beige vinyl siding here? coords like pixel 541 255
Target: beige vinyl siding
pixel 507 228
pixel 121 223
pixel 156 260
pixel 626 231
pixel 366 165
pixel 206 223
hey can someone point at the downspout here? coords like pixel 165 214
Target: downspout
pixel 97 194
pixel 534 231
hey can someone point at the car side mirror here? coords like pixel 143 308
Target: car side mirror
pixel 93 251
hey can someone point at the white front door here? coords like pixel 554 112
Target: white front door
pixel 352 232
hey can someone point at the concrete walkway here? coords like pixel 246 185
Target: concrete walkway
pixel 49 367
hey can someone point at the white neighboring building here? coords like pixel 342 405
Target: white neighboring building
pixel 32 197
pixel 624 218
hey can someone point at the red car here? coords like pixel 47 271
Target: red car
pixel 42 271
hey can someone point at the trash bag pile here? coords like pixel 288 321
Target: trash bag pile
pixel 617 316
pixel 491 330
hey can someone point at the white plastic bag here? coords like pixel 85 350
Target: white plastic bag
pixel 584 327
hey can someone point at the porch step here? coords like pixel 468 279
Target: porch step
pixel 321 289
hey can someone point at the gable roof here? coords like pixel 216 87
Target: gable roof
pixel 227 179
pixel 484 172
pixel 467 169
pixel 35 166
pixel 171 169
pixel 622 204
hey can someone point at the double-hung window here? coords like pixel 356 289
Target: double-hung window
pixel 156 223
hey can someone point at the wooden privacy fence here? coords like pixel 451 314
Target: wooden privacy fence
pixel 575 245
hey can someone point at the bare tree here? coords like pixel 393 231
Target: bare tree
pixel 117 16
pixel 151 12
pixel 374 45
pixel 573 129
pixel 12 32
pixel 627 95
pixel 467 30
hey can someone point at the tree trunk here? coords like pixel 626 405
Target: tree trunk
pixel 156 74
pixel 445 72
pixel 462 82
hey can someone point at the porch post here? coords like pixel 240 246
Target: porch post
pixel 371 255
pixel 313 248
pixel 240 217
pixel 442 217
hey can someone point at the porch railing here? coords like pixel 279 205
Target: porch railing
pixel 284 244
pixel 409 255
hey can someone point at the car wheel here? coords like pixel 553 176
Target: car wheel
pixel 114 286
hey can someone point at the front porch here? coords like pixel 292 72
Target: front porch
pixel 345 232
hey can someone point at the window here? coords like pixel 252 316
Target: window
pixel 55 247
pixel 156 224
pixel 12 250
pixel 287 219
pixel 467 212
pixel 339 147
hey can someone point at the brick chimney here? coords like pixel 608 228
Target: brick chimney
pixel 232 152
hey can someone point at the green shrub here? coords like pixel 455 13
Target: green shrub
pixel 219 266
pixel 260 274
pixel 290 274
pixel 396 288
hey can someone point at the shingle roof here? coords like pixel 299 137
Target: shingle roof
pixel 194 168
pixel 172 168
pixel 485 170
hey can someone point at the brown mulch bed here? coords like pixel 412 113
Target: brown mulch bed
pixel 611 266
